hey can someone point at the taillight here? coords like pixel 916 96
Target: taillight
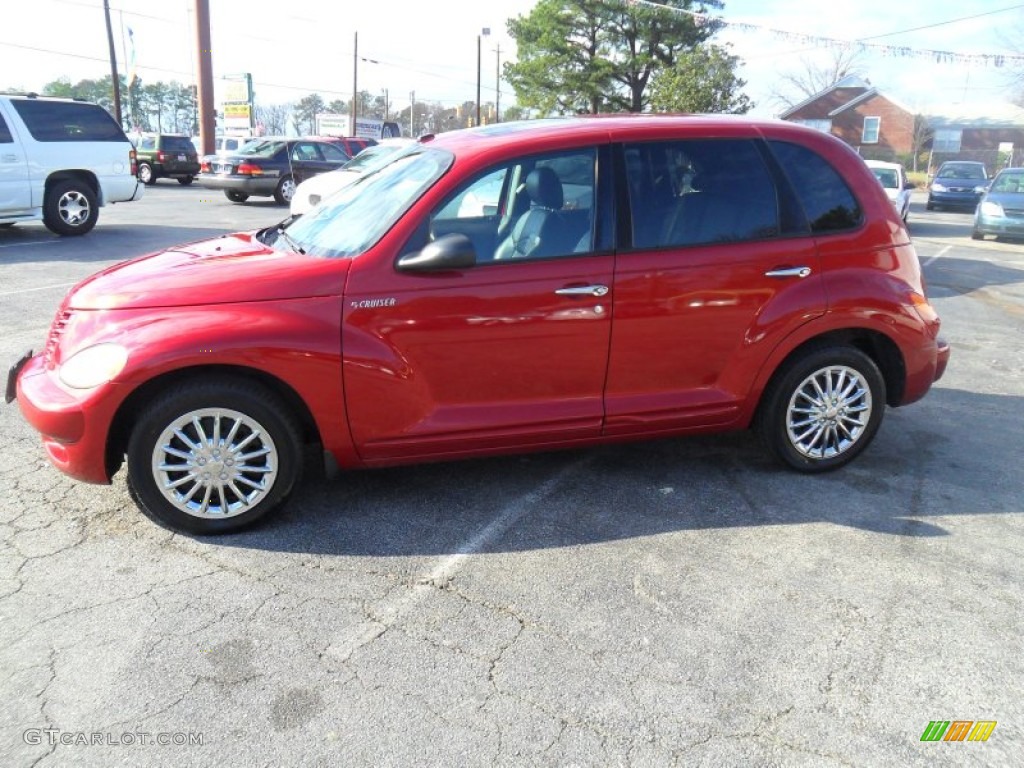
pixel 249 169
pixel 133 161
pixel 204 167
pixel 160 157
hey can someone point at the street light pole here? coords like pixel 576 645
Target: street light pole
pixel 115 80
pixel 497 85
pixel 355 86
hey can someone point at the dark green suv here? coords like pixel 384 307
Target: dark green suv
pixel 165 154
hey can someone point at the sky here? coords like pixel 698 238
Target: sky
pixel 304 46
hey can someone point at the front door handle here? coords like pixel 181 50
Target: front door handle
pixel 788 272
pixel 583 290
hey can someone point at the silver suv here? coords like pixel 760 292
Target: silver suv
pixel 60 161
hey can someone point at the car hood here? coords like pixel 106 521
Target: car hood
pixel 1006 199
pixel 227 269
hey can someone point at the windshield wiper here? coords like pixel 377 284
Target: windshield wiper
pixel 291 241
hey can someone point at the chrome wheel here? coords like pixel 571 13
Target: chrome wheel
pixel 215 463
pixel 145 173
pixel 74 208
pixel 285 190
pixel 829 412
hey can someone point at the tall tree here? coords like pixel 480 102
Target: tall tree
pixel 272 118
pixel 600 55
pixel 703 80
pixel 305 112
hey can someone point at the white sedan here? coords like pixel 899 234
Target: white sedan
pixel 310 192
pixel 893 177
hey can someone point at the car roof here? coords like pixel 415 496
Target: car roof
pixel 882 164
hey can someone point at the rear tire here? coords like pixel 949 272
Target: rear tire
pixel 285 191
pixel 146 175
pixel 822 409
pixel 185 180
pixel 235 197
pixel 70 208
pixel 210 457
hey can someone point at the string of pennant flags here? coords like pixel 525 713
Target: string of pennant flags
pixel 902 51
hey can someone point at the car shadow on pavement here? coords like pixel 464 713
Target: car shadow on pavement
pixel 947 277
pixel 41 245
pixel 932 459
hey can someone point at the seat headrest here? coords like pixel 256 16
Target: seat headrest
pixel 544 188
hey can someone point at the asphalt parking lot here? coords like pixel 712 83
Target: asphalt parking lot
pixel 680 602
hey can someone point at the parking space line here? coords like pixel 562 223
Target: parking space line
pixel 38 288
pixel 25 245
pixel 941 253
pixel 385 614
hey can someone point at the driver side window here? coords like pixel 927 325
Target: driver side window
pixel 533 207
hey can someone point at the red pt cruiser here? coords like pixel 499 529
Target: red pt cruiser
pixel 526 286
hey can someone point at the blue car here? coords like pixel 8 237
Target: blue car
pixel 1001 211
pixel 958 184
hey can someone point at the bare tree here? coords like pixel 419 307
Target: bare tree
pixel 814 77
pixel 273 118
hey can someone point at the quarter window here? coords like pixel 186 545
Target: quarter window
pixel 699 192
pixel 67 121
pixel 5 132
pixel 827 200
pixel 872 126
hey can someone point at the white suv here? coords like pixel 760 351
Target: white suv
pixel 60 161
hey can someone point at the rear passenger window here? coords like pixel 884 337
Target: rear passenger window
pixel 827 200
pixel 699 192
pixel 5 132
pixel 67 121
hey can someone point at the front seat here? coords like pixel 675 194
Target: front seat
pixel 537 232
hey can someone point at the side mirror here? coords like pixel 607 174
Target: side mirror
pixel 446 253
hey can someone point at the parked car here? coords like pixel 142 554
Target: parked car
pixel 1001 210
pixel 353 145
pixel 271 167
pixel 958 184
pixel 739 260
pixel 312 191
pixel 60 162
pixel 229 145
pixel 893 178
pixel 166 155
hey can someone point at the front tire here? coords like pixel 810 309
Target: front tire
pixel 235 197
pixel 70 208
pixel 976 235
pixel 823 409
pixel 213 457
pixel 285 191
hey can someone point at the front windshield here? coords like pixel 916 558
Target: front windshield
pixel 1009 182
pixel 965 171
pixel 370 157
pixel 354 219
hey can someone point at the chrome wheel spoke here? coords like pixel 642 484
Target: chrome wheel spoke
pixel 215 463
pixel 828 412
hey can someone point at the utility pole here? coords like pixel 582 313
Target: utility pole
pixel 412 114
pixel 355 86
pixel 114 79
pixel 497 85
pixel 204 85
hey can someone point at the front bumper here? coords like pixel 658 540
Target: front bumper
pixel 999 225
pixel 955 199
pixel 74 427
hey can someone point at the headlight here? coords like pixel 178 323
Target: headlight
pixel 981 189
pixel 93 366
pixel 992 209
pixel 936 187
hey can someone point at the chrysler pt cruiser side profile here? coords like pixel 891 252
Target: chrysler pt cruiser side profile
pixel 523 286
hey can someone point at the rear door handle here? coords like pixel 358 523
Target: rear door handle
pixel 788 272
pixel 583 290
